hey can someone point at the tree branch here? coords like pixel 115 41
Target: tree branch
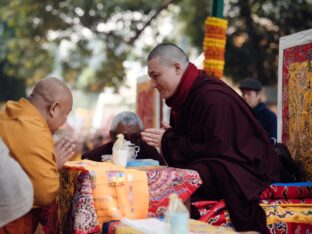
pixel 138 32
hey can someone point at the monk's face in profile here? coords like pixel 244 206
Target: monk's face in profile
pixel 165 76
pixel 59 113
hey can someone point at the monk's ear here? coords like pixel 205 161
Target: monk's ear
pixel 54 108
pixel 178 68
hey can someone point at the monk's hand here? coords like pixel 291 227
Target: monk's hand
pixel 165 125
pixel 153 136
pixel 64 150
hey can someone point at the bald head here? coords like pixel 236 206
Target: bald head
pixel 169 53
pixel 166 64
pixel 54 101
pixel 49 89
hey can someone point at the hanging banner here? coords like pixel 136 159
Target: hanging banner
pixel 295 96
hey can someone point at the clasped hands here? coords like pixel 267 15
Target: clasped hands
pixel 64 150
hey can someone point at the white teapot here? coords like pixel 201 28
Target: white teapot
pixel 123 151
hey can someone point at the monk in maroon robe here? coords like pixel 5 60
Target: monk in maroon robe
pixel 213 131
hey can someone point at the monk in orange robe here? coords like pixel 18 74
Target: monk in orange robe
pixel 27 128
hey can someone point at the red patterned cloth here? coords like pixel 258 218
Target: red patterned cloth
pixel 288 208
pixel 162 181
pixel 293 55
pixel 213 212
pixel 83 211
pixel 288 191
pixel 76 206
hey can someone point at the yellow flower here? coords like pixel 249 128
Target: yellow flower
pixel 214 46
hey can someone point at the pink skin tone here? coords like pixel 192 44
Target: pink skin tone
pixel 165 78
pixel 252 97
pixel 64 148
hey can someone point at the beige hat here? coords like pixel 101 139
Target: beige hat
pixel 16 191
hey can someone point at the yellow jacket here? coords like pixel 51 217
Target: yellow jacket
pixel 26 133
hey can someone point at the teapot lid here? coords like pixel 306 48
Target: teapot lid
pixel 121 143
pixel 120 136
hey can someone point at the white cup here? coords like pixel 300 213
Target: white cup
pixel 120 157
pixel 133 151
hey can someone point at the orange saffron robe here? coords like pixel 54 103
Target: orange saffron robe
pixel 26 133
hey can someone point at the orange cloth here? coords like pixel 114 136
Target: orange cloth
pixel 26 133
pixel 118 192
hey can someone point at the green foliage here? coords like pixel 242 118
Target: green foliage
pixel 194 14
pixel 255 27
pixel 254 31
pixel 43 37
pixel 34 31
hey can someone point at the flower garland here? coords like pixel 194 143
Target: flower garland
pixel 214 46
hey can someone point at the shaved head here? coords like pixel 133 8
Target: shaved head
pixel 166 64
pixel 50 88
pixel 169 53
pixel 54 101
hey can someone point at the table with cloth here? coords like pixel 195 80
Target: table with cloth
pixel 75 210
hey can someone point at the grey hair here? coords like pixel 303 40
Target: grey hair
pixel 168 52
pixel 127 118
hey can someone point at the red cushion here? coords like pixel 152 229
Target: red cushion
pixel 288 191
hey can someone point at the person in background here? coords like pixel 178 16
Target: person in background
pixel 130 125
pixel 16 190
pixel 251 93
pixel 251 89
pixel 27 127
pixel 214 132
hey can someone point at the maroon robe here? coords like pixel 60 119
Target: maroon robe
pixel 146 152
pixel 214 124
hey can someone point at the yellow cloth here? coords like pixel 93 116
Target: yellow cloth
pixel 26 133
pixel 296 213
pixel 117 192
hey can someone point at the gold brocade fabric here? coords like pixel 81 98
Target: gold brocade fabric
pixel 299 213
pixel 64 200
pixel 296 104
